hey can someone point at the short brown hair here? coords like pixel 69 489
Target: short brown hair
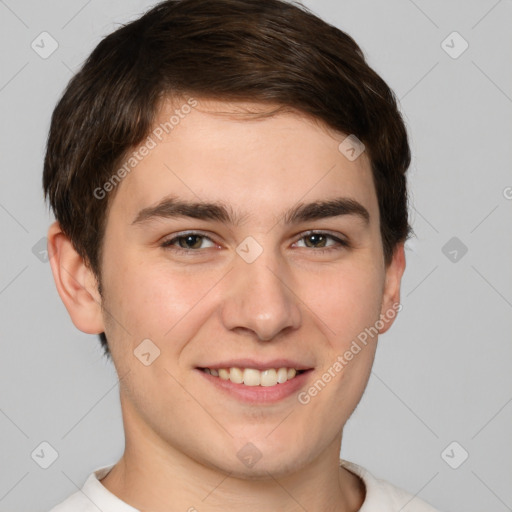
pixel 262 51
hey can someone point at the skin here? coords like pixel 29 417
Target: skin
pixel 182 434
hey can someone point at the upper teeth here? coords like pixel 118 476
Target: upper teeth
pixel 253 377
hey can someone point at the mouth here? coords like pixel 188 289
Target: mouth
pixel 253 376
pixel 256 386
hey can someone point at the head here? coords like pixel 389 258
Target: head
pixel 245 107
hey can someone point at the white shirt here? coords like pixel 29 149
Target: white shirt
pixel 381 496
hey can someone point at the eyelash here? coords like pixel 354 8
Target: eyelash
pixel 342 244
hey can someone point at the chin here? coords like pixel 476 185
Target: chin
pixel 258 461
pixel 262 470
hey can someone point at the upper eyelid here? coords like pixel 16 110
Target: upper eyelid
pixel 186 233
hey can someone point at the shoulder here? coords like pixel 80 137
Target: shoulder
pixel 385 497
pixel 77 502
pixel 93 497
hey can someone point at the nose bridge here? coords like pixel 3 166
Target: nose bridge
pixel 259 298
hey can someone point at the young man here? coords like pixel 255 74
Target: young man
pixel 228 179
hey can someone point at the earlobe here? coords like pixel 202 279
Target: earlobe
pixel 391 293
pixel 75 281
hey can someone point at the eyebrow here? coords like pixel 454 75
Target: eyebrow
pixel 172 207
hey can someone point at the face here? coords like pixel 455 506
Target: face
pixel 217 256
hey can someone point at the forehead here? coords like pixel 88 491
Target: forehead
pixel 251 155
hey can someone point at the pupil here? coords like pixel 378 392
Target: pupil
pixel 315 237
pixel 189 241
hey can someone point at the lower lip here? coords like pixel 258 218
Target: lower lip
pixel 259 394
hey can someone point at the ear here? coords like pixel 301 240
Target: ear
pixel 76 283
pixel 391 293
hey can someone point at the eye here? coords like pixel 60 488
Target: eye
pixel 194 241
pixel 319 240
pixel 187 241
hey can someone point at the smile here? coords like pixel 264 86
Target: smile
pixel 254 377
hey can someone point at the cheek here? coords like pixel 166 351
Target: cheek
pixel 346 306
pixel 156 301
pixel 345 302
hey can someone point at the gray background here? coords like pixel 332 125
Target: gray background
pixel 442 373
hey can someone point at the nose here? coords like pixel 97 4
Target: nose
pixel 260 299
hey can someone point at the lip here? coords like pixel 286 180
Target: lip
pixel 257 365
pixel 258 394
